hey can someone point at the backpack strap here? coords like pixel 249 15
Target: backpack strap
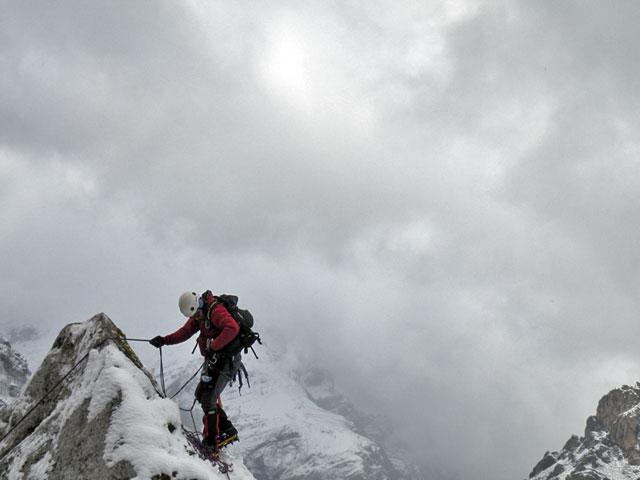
pixel 210 301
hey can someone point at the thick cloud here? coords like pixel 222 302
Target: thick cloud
pixel 436 200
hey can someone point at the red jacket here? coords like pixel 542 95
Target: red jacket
pixel 222 330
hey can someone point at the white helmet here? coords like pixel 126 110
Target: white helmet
pixel 189 303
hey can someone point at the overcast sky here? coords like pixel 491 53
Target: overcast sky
pixel 441 200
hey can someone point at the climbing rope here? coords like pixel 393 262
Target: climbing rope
pixel 190 411
pixel 162 381
pixel 187 382
pixel 164 390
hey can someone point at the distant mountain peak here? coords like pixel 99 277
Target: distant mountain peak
pixel 13 373
pixel 609 449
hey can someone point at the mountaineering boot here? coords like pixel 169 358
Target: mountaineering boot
pixel 218 430
pixel 227 433
pixel 227 436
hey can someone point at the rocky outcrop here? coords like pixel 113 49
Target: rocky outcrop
pixel 92 411
pixel 13 373
pixel 609 449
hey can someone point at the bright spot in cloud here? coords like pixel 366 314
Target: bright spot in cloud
pixel 286 63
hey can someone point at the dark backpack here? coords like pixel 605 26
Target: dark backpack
pixel 246 336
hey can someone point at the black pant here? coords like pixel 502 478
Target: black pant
pixel 215 377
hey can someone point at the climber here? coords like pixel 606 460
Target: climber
pixel 217 329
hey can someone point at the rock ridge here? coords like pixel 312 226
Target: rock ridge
pixel 609 449
pixel 105 421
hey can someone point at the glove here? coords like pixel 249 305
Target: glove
pixel 157 341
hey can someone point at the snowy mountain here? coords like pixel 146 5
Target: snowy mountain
pixel 293 424
pixel 13 373
pixel 105 420
pixel 319 386
pixel 32 343
pixel 609 449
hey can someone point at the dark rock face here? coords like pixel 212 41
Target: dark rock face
pixel 609 449
pixel 547 460
pixel 618 412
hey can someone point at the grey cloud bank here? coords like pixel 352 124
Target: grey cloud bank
pixel 438 200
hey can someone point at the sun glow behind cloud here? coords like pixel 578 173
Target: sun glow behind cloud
pixel 285 66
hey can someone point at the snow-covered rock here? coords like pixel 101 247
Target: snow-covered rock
pixel 609 449
pixel 13 373
pixel 104 421
pixel 293 425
